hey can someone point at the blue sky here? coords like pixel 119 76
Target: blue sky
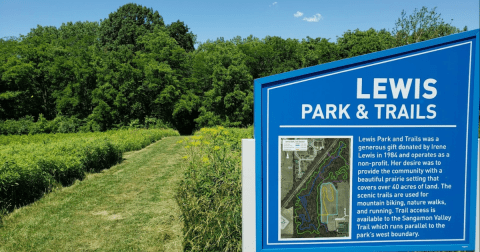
pixel 210 19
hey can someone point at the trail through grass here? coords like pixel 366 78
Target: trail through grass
pixel 129 207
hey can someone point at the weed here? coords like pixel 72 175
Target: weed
pixel 210 193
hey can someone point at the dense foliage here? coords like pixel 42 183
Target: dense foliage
pixel 33 165
pixel 210 194
pixel 131 67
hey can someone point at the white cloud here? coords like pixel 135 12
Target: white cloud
pixel 273 4
pixel 315 18
pixel 298 14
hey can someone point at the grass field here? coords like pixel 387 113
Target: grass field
pixel 129 207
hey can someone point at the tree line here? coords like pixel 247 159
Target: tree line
pixel 133 69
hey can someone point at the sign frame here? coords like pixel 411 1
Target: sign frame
pixel 337 66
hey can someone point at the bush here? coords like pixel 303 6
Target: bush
pixel 210 194
pixel 41 126
pixel 19 127
pixel 26 125
pixel 33 165
pixel 63 124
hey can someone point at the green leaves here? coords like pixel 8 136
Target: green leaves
pixel 210 193
pixel 31 165
pixel 180 32
pixel 126 25
pixel 224 83
pixel 421 25
pixel 131 66
pixel 355 43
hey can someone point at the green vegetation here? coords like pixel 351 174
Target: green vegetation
pixel 132 68
pixel 129 207
pixel 33 165
pixel 63 124
pixel 133 73
pixel 210 194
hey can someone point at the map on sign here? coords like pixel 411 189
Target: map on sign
pixel 314 187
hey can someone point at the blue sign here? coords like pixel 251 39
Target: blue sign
pixel 377 152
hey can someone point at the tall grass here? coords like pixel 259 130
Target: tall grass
pixel 210 195
pixel 33 165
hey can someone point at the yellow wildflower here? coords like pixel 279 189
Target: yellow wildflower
pixel 216 148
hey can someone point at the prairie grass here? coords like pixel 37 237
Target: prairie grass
pixel 33 165
pixel 210 193
pixel 129 207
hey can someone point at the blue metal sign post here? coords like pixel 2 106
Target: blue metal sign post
pixel 375 153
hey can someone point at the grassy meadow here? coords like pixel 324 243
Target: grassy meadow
pixel 129 207
pixel 33 165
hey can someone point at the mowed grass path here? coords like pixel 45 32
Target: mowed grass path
pixel 129 207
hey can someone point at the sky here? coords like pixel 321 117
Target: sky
pixel 212 19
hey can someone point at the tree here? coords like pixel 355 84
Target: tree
pixel 48 71
pixel 117 77
pixel 285 55
pixel 355 43
pixel 421 25
pixel 164 65
pixel 180 32
pixel 126 25
pixel 131 66
pixel 74 98
pixel 14 80
pixel 271 55
pixel 318 51
pixel 225 86
pixel 36 70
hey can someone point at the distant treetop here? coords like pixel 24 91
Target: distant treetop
pixel 124 26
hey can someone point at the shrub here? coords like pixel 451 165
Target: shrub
pixel 33 165
pixel 16 127
pixel 41 126
pixel 26 125
pixel 63 124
